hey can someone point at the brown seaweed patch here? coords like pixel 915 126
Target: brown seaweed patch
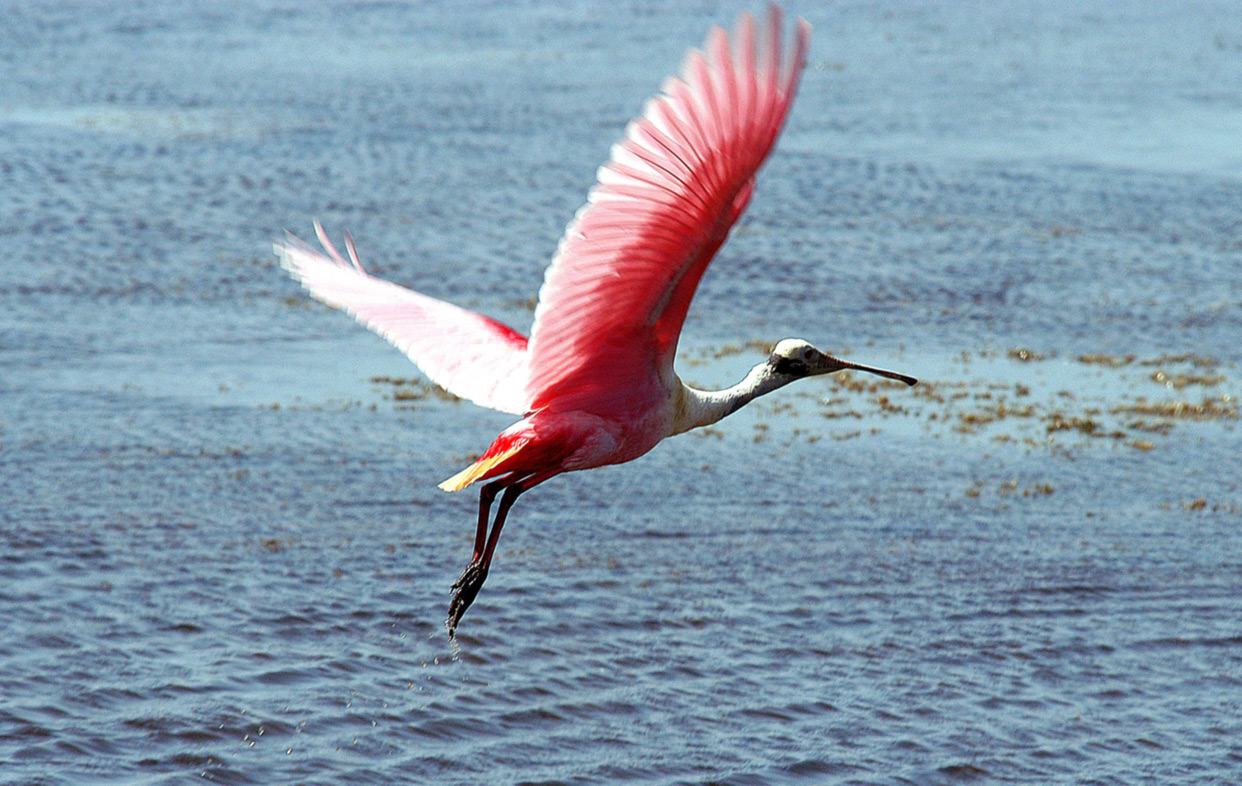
pixel 1058 421
pixel 1201 505
pixel 849 413
pixel 928 391
pixel 1179 381
pixel 1112 361
pixel 1211 408
pixel 969 421
pixel 736 349
pixel 408 389
pixel 1199 361
pixel 888 406
pixel 1009 488
pixel 1157 427
pixel 1024 355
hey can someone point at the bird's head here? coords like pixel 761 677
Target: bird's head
pixel 795 359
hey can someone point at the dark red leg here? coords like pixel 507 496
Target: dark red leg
pixel 486 496
pixel 471 581
pixel 502 513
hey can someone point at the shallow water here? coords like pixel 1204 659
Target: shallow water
pixel 223 553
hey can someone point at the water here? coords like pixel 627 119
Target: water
pixel 223 553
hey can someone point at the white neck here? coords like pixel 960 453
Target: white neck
pixel 695 408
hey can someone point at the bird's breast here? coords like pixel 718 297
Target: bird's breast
pixel 615 440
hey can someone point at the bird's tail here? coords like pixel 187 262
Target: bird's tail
pixel 496 461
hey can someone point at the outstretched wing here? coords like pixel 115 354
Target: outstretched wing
pixel 615 296
pixel 467 354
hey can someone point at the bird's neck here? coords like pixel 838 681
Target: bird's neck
pixel 697 408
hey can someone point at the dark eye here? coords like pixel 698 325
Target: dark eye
pixel 792 366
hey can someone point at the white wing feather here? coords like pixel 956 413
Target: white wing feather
pixel 469 355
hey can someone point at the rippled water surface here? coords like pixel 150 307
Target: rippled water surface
pixel 222 552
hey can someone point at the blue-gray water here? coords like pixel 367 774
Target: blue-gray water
pixel 222 551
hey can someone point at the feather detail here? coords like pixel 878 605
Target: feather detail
pixel 615 297
pixel 469 355
pixel 483 467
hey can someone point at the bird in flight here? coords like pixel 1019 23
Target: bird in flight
pixel 594 382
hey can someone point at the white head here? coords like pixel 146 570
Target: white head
pixel 794 358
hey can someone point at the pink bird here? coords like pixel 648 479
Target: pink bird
pixel 594 382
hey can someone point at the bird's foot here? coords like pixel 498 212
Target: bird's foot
pixel 466 588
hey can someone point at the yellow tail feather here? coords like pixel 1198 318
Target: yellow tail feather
pixel 478 469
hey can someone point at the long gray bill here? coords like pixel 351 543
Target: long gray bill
pixel 877 371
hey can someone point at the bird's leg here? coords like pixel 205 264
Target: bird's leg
pixel 486 497
pixel 502 512
pixel 467 586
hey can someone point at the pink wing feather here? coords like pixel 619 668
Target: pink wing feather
pixel 616 294
pixel 465 353
pixel 615 297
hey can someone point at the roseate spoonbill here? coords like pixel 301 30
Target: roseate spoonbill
pixel 595 383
